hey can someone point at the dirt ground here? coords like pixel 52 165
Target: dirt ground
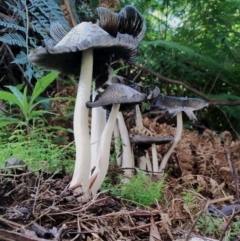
pixel 35 205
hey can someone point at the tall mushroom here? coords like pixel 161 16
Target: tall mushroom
pixel 113 97
pixel 174 106
pixel 86 45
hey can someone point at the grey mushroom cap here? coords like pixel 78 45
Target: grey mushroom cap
pixel 65 56
pixel 128 21
pixel 117 94
pixel 173 105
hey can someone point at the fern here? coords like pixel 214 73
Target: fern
pixel 10 23
pixel 21 58
pixel 18 8
pixel 43 10
pixel 13 39
pixel 180 48
pixel 16 33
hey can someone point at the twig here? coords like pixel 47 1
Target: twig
pixel 10 224
pixel 177 82
pixel 138 227
pixel 236 133
pixel 36 195
pixel 19 66
pixel 60 232
pixel 195 222
pixel 228 223
pixel 233 171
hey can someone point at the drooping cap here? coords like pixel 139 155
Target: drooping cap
pixel 117 94
pixel 65 56
pixel 63 51
pixel 173 105
pixel 128 21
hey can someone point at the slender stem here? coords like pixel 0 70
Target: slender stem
pixel 80 126
pixel 154 158
pixel 117 144
pixel 127 159
pixel 97 125
pixel 100 171
pixel 174 144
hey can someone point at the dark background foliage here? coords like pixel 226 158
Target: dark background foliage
pixel 195 43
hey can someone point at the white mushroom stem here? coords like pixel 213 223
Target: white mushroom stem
pixel 175 142
pixel 117 144
pixel 97 125
pixel 149 166
pixel 80 180
pixel 139 121
pixel 142 161
pixel 127 158
pixel 154 158
pixel 100 171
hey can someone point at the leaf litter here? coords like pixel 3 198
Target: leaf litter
pixel 202 180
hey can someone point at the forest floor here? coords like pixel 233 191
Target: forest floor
pixel 201 198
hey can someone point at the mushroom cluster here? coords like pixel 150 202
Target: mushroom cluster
pixel 88 50
pixel 85 50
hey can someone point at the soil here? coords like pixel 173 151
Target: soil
pixel 35 205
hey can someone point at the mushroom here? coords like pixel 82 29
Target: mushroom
pixel 174 106
pixel 87 45
pixel 144 142
pixel 113 97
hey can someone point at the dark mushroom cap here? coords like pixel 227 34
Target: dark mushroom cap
pixel 144 140
pixel 128 21
pixel 65 56
pixel 173 105
pixel 117 94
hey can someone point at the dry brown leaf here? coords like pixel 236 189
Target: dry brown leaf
pixel 154 234
pixel 166 223
pixel 201 181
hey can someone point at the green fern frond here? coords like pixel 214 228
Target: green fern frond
pixel 29 71
pixel 21 58
pixel 18 8
pixel 180 48
pixel 10 23
pixel 43 10
pixel 38 28
pixel 13 39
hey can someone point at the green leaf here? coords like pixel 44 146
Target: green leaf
pixel 42 84
pixel 9 97
pixel 25 102
pixel 39 113
pixel 17 94
pixel 5 120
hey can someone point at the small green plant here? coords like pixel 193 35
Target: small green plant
pixel 37 148
pixel 188 197
pixel 27 105
pixel 209 225
pixel 140 189
pixel 234 232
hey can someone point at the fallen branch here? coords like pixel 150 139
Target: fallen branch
pixel 188 87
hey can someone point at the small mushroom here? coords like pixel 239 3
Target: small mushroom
pixel 115 95
pixel 144 142
pixel 174 106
